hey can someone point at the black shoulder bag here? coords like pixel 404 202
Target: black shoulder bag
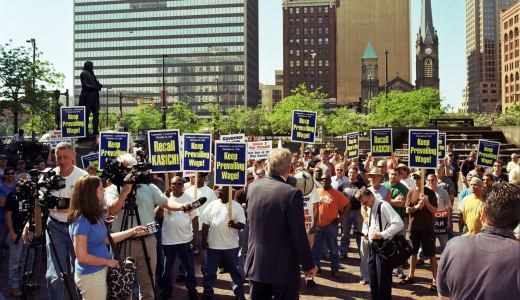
pixel 394 251
pixel 120 279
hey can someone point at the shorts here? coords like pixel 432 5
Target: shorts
pixel 423 239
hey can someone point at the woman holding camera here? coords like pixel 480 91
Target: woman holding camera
pixel 89 235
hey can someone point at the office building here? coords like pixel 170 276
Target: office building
pixel 309 45
pixel 200 51
pixel 510 56
pixel 427 54
pixel 483 55
pixel 384 23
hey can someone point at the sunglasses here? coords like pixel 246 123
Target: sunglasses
pixel 250 178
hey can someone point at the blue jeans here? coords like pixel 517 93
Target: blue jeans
pixel 443 240
pixel 65 251
pixel 229 259
pixel 203 253
pixel 17 255
pixel 353 219
pixel 186 256
pixel 327 235
pixel 243 238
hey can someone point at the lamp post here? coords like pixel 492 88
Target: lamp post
pixel 386 72
pixel 163 95
pixel 32 41
pixel 107 108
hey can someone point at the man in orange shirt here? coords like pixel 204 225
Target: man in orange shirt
pixel 333 206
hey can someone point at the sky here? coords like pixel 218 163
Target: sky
pixel 50 22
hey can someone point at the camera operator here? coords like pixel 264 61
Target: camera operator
pixel 147 196
pixel 57 225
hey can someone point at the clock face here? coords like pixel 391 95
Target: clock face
pixel 428 51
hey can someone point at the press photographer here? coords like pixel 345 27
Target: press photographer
pixel 132 200
pixel 58 242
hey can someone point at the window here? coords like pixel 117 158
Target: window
pixel 320 63
pixel 326 30
pixel 326 9
pixel 326 41
pixel 297 52
pixel 305 63
pixel 320 20
pixel 291 10
pixel 297 63
pixel 312 62
pixel 311 31
pixel 297 10
pixel 311 10
pixel 428 68
pixel 305 20
pixel 326 63
pixel 305 30
pixel 305 10
pixel 305 42
pixel 291 63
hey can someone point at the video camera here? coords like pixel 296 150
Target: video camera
pixel 116 172
pixel 44 182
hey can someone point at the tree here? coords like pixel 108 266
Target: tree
pixel 405 109
pixel 345 120
pixel 248 121
pixel 144 117
pixel 509 118
pixel 180 117
pixel 23 83
pixel 301 99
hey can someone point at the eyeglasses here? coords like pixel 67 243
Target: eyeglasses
pixel 177 183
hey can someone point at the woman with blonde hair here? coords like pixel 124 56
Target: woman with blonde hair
pixel 89 235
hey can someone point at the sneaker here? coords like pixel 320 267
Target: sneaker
pixel 363 282
pixel 16 292
pixel 310 283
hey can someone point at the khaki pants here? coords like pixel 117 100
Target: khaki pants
pixel 93 286
pixel 137 252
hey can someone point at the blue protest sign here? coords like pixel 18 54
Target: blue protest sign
pixel 90 159
pixel 111 145
pixel 381 142
pixel 73 122
pixel 442 146
pixel 352 145
pixel 303 126
pixel 230 164
pixel 422 148
pixel 164 151
pixel 487 153
pixel 197 152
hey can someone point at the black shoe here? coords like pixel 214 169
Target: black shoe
pixel 192 296
pixel 318 272
pixel 206 297
pixel 336 274
pixel 240 298
pixel 180 279
pixel 310 283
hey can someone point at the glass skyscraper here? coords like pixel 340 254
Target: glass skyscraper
pixel 202 51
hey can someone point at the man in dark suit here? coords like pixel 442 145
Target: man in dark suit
pixel 278 242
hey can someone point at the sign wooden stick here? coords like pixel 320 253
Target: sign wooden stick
pixel 422 181
pixel 302 151
pixel 196 186
pixel 74 149
pixel 166 180
pixel 230 203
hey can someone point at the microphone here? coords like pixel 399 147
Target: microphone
pixel 196 204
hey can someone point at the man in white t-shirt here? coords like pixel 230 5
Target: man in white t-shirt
pixel 58 227
pixel 179 232
pixel 406 179
pixel 220 238
pixel 202 191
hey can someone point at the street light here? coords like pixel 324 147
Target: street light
pixel 386 72
pixel 33 43
pixel 163 94
pixel 107 108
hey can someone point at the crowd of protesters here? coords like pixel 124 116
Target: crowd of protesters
pixel 263 241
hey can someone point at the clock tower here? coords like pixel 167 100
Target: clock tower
pixel 427 46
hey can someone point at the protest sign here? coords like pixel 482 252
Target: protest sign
pixel 442 146
pixel 73 121
pixel 230 164
pixel 440 221
pixel 259 150
pixel 422 148
pixel 381 142
pixel 111 145
pixel 352 145
pixel 197 152
pixel 487 153
pixel 55 138
pixel 233 138
pixel 303 126
pixel 90 159
pixel 164 150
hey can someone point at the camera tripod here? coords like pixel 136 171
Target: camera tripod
pixel 36 244
pixel 131 211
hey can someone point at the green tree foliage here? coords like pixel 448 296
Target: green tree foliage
pixel 145 116
pixel 17 73
pixel 112 120
pixel 247 121
pixel 408 109
pixel 345 120
pixel 301 99
pixel 180 117
pixel 510 118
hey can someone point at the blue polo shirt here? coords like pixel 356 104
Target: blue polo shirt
pixel 96 234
